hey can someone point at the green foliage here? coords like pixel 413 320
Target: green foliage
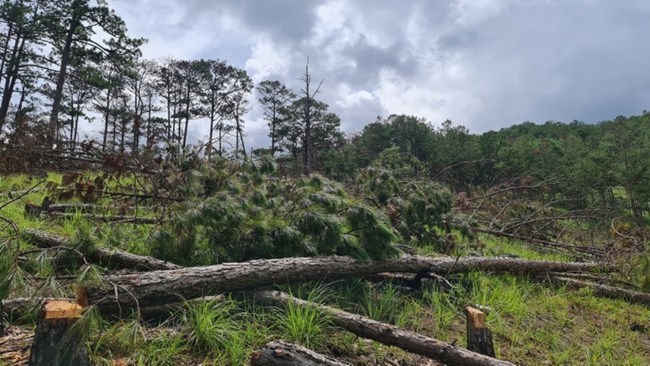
pixel 164 350
pixel 382 304
pixel 304 324
pixel 220 330
pixel 274 217
pixel 418 210
pixel 209 324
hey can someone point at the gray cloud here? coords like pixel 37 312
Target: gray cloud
pixel 485 64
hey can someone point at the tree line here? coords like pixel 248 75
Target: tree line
pixel 577 165
pixel 54 72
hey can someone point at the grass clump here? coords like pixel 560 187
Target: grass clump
pixel 304 324
pixel 221 332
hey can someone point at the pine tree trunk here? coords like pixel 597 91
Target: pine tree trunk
pixel 162 287
pixel 212 116
pixel 279 353
pixel 187 115
pixel 387 334
pixel 107 257
pixel 11 77
pixel 60 82
pixel 5 48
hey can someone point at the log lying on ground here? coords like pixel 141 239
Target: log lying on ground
pixel 607 291
pixel 570 247
pixel 108 257
pixel 109 218
pixel 20 307
pixel 71 207
pixel 128 291
pixel 387 334
pixel 279 353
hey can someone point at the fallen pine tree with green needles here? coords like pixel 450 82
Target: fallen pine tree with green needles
pixel 177 287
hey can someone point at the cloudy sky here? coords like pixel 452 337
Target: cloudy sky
pixel 485 64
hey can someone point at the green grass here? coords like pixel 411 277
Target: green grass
pixel 533 322
pixel 222 332
pixel 304 324
pixel 163 350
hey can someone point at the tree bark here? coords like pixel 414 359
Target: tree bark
pixel 479 337
pixel 109 218
pixel 279 353
pixel 129 291
pixel 108 257
pixel 65 60
pixel 21 307
pixel 569 247
pixel 607 291
pixel 387 334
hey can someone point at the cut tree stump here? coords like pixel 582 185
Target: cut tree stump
pixel 479 337
pixel 121 293
pixel 55 342
pixel 279 353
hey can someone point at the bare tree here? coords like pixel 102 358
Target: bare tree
pixel 307 116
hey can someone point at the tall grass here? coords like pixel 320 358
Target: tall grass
pixel 304 324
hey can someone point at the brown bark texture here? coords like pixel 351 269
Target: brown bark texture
pixel 387 334
pixel 128 291
pixel 279 353
pixel 109 218
pixel 611 292
pixel 108 257
pixel 479 337
pixel 553 244
pixel 20 307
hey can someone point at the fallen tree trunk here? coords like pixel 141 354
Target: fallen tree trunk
pixel 552 244
pixel 129 291
pixel 607 291
pixel 279 353
pixel 26 307
pixel 20 307
pixel 91 208
pixel 387 334
pixel 107 257
pixel 127 195
pixel 109 218
pixel 71 207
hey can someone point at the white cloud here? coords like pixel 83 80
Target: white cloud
pixel 267 60
pixel 481 63
pixel 468 13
